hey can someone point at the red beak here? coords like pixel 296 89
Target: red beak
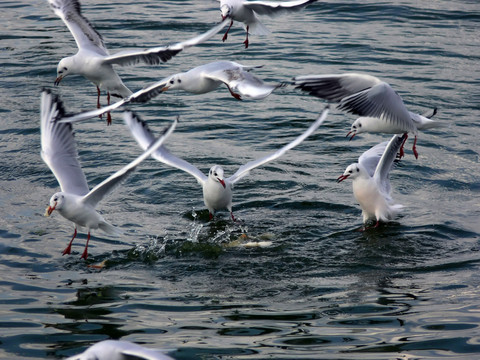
pixel 351 132
pixel 49 210
pixel 221 182
pixel 342 177
pixel 57 80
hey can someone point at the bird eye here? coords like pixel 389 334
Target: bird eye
pixel 171 82
pixel 358 170
pixel 359 125
pixel 215 174
pixel 64 68
pixel 354 127
pixel 349 171
pixel 179 81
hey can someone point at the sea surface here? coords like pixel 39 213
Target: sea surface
pixel 293 278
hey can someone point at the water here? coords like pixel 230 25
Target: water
pixel 174 280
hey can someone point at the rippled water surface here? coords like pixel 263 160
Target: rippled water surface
pixel 321 290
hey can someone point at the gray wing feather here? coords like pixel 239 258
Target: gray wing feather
pixel 385 165
pixel 245 169
pixel 106 186
pixel 58 146
pixel 144 136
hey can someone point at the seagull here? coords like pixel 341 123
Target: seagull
pixel 371 183
pixel 247 11
pixel 380 107
pixel 217 189
pixel 93 60
pixel 202 79
pixel 119 350
pixel 75 201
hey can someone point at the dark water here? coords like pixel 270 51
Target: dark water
pixel 407 290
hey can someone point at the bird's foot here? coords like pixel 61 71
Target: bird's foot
pixel 68 250
pixel 246 43
pixel 109 119
pixel 414 148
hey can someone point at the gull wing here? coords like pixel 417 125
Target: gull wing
pixel 245 169
pixel 106 186
pixel 385 165
pixel 359 94
pixel 241 82
pixel 155 56
pixel 58 146
pixel 144 136
pixel 370 158
pixel 335 87
pixel 272 8
pixel 139 96
pixel 84 33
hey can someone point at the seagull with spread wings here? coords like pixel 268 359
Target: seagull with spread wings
pixel 93 60
pixel 76 202
pixel 217 189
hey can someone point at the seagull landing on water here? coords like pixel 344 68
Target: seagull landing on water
pixel 381 108
pixel 371 183
pixel 75 201
pixel 246 12
pixel 202 79
pixel 119 350
pixel 217 190
pixel 95 63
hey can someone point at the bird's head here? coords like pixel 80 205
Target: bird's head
pixel 356 128
pixel 226 11
pixel 56 203
pixel 352 171
pixel 216 174
pixel 64 68
pixel 173 82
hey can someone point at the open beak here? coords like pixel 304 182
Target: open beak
pixel 165 88
pixel 49 210
pixel 352 133
pixel 57 80
pixel 221 181
pixel 224 17
pixel 342 177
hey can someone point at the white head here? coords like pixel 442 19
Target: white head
pixel 173 82
pixel 226 11
pixel 356 128
pixel 352 171
pixel 56 203
pixel 64 68
pixel 216 174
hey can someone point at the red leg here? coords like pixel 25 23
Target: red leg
pixel 98 101
pixel 226 34
pixel 109 117
pixel 401 153
pixel 246 40
pixel 210 216
pixel 414 148
pixel 235 95
pixel 68 249
pixel 85 251
pixel 233 217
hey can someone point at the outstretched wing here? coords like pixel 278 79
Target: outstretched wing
pixel 84 33
pixel 106 186
pixel 58 146
pixel 272 8
pixel 385 165
pixel 359 94
pixel 240 82
pixel 370 158
pixel 144 136
pixel 245 169
pixel 139 96
pixel 155 56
